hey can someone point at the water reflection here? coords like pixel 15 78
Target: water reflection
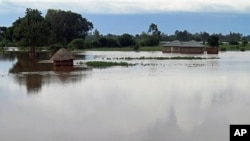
pixel 8 56
pixel 32 74
pixel 26 64
pixel 151 103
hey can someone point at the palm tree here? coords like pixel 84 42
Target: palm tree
pixel 153 29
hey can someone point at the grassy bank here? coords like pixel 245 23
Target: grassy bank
pixel 227 47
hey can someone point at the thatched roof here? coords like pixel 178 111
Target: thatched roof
pixel 61 55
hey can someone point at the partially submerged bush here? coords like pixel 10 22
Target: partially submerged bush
pixel 136 47
pixel 223 49
pixel 106 64
pixel 242 49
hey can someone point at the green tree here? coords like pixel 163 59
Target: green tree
pixel 96 34
pixel 183 35
pixel 204 36
pixel 213 41
pixel 126 40
pixel 154 29
pixel 244 41
pixel 31 30
pixel 67 25
pixel 3 31
pixel 77 43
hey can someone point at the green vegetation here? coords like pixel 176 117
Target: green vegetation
pixel 136 47
pixel 67 29
pixel 76 43
pixel 102 64
pixel 142 48
pixel 227 47
pixel 33 30
pixel 163 58
pixel 213 41
pixel 107 64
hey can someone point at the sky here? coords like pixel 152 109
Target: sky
pixel 135 16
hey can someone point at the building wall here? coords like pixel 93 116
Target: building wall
pixel 64 63
pixel 176 49
pixel 195 50
pixel 166 49
pixel 171 49
pixel 212 50
pixel 190 50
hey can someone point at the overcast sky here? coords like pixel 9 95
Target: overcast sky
pixel 134 16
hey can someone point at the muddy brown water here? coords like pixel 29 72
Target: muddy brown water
pixel 172 100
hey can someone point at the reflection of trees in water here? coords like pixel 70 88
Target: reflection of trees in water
pixel 34 75
pixel 7 56
pixel 34 82
pixel 26 64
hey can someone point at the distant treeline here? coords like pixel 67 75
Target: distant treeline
pixel 68 29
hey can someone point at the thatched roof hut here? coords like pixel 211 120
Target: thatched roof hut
pixel 63 58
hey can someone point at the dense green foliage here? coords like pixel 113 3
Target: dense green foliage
pixel 31 29
pixel 126 40
pixel 213 41
pixel 57 27
pixel 66 26
pixel 77 43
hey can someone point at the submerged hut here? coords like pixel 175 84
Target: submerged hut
pixel 62 58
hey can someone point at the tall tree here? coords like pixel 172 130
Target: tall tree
pixel 31 30
pixel 67 25
pixel 154 29
pixel 3 31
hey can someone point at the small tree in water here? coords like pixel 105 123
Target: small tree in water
pixel 213 41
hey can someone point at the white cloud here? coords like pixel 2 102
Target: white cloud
pixel 131 6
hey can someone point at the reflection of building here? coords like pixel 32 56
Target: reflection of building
pixel 177 46
pixel 34 75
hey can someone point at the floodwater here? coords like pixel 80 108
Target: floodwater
pixel 156 100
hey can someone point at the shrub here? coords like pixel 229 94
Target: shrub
pixel 136 47
pixel 223 49
pixel 242 49
pixel 106 64
pixel 233 42
pixel 126 40
pixel 77 43
pixel 150 41
pixel 244 42
pixel 88 44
